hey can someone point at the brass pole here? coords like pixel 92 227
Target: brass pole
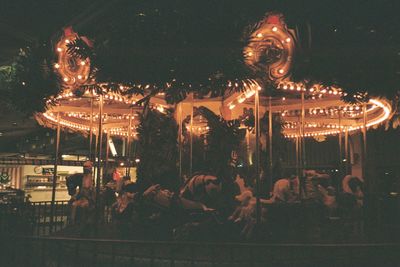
pixel 364 147
pixel 340 139
pixel 99 152
pixel 128 149
pixel 95 151
pixel 91 130
pixel 297 145
pixel 302 136
pixel 302 147
pixel 105 169
pixel 54 184
pixel 180 139
pixel 346 151
pixel 270 144
pixel 257 156
pixel 191 137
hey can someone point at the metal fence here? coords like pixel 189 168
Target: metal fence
pixel 34 218
pixel 41 217
pixel 41 251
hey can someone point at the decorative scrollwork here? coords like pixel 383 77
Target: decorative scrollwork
pixel 74 71
pixel 271 47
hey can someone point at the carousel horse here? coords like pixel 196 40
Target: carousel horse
pixel 199 193
pixel 198 205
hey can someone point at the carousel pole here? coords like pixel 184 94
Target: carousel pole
pixel 95 153
pixel 257 152
pixel 105 169
pixel 180 143
pixel 248 149
pixel 53 192
pixel 297 156
pixel 364 147
pixel 346 151
pixel 340 140
pixel 91 130
pixel 270 144
pixel 303 143
pixel 191 137
pixel 99 152
pixel 128 145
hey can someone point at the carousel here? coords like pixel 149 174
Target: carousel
pixel 306 111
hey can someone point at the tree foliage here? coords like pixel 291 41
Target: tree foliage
pixel 157 150
pixel 30 80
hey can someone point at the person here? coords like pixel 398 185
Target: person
pixel 124 212
pixel 353 185
pixel 328 197
pixel 350 204
pixel 85 196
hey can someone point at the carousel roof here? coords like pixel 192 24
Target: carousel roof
pixel 306 110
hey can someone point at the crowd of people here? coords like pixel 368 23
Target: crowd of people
pixel 210 206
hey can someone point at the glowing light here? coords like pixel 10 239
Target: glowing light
pixel 281 71
pixel 231 106
pixel 287 40
pixel 83 63
pixel 259 35
pixel 274 29
pixel 250 54
pixel 66 79
pixel 56 65
pixel 383 117
pixel 59 49
pixel 242 99
pixel 250 93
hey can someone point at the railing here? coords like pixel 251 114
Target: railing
pixel 34 218
pixel 94 252
pixel 41 214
